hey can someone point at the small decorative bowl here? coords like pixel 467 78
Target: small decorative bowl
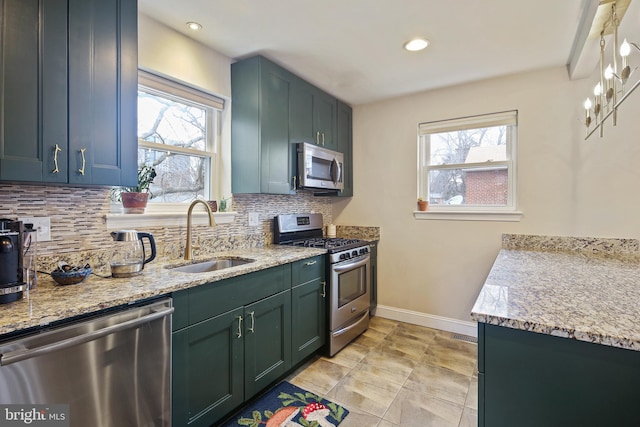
pixel 72 276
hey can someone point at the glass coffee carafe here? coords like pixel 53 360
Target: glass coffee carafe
pixel 129 255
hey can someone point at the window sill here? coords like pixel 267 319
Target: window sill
pixel 511 216
pixel 116 221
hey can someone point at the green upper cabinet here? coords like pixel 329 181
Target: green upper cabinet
pixel 103 80
pixel 313 115
pixel 263 160
pixel 345 145
pixel 273 110
pixel 33 90
pixel 68 91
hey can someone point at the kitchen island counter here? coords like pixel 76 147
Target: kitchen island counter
pixel 50 302
pixel 585 289
pixel 558 336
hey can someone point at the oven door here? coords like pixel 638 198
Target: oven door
pixel 350 292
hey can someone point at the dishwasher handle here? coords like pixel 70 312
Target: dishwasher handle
pixel 28 353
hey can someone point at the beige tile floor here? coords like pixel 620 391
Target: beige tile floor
pixel 398 374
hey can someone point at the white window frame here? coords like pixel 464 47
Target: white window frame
pixel 507 212
pixel 165 214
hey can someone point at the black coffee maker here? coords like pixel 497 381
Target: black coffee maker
pixel 11 272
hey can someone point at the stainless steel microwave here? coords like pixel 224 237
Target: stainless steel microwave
pixel 319 167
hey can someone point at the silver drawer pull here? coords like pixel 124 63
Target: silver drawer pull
pixel 239 327
pixel 55 159
pixel 253 322
pixel 81 170
pixel 310 262
pixel 324 289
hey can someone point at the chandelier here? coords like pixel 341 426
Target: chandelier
pixel 612 89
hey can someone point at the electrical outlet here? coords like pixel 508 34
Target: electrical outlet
pixel 42 224
pixel 254 219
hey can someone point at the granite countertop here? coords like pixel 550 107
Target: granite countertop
pixel 584 289
pixel 51 302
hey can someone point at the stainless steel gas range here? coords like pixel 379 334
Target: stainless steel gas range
pixel 348 274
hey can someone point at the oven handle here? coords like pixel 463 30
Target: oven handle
pixel 338 268
pixel 353 325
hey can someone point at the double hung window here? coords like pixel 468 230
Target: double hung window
pixel 178 134
pixel 468 164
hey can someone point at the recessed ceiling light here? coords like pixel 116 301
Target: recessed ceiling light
pixel 416 45
pixel 194 26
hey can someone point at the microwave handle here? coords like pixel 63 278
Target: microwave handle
pixel 336 171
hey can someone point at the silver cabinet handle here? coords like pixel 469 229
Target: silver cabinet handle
pixel 253 322
pixel 323 139
pixel 317 137
pixel 310 262
pixel 55 158
pixel 23 354
pixel 81 170
pixel 324 289
pixel 239 327
pixel 294 181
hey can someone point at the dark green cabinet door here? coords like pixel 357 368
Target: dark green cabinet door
pixel 313 115
pixel 308 318
pixel 324 119
pixel 277 163
pixel 33 90
pixel 530 380
pixel 207 370
pixel 301 124
pixel 267 325
pixel 345 146
pixel 262 158
pixel 103 62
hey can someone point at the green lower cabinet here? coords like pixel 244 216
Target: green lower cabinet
pixel 309 318
pixel 530 379
pixel 267 342
pixel 208 370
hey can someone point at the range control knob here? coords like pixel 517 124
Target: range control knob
pixel 342 257
pixel 354 253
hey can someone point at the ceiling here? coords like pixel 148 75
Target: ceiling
pixel 353 48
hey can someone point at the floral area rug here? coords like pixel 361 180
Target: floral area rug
pixel 286 405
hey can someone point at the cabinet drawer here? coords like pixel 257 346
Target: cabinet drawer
pixel 214 298
pixel 306 270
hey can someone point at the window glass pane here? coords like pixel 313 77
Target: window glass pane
pixel 167 121
pixel 470 186
pixel 179 177
pixel 469 146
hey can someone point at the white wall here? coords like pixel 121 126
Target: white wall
pixel 566 186
pixel 167 52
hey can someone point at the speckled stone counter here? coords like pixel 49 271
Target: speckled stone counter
pixel 51 302
pixel 358 232
pixel 580 288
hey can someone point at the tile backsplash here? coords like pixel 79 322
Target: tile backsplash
pixel 79 230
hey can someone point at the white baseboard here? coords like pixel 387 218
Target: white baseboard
pixel 429 320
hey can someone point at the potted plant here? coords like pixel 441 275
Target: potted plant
pixel 422 204
pixel 134 199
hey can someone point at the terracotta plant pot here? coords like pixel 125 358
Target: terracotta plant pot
pixel 134 202
pixel 422 205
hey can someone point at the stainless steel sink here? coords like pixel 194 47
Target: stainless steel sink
pixel 212 265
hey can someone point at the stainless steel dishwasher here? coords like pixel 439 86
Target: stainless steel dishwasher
pixel 112 369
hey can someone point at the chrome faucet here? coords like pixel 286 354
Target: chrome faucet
pixel 188 251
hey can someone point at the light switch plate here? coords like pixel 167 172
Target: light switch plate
pixel 42 224
pixel 254 219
